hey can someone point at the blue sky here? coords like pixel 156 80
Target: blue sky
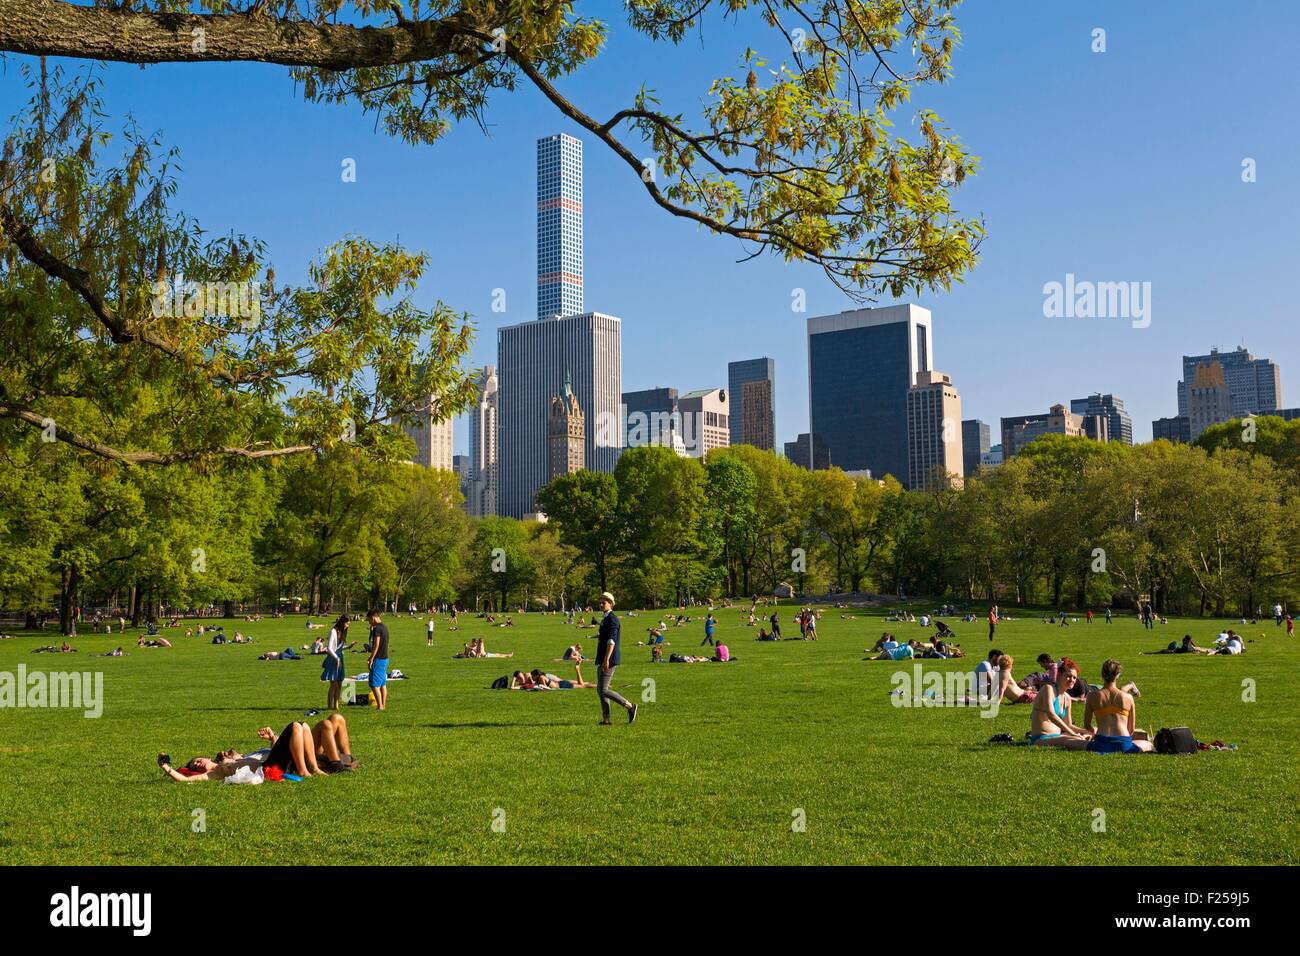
pixel 1115 166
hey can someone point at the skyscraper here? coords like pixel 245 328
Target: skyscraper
pixel 705 417
pixel 532 360
pixel 432 438
pixel 861 363
pixel 1255 384
pixel 974 444
pixel 1019 431
pixel 559 226
pixel 1176 429
pixel 754 425
pixel 481 498
pixel 808 453
pixel 934 433
pixel 653 417
pixel 1118 423
pixel 1209 399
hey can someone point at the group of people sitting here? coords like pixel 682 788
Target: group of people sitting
pixel 890 648
pixel 297 752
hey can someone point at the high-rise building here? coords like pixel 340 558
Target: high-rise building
pixel 991 458
pixel 705 416
pixel 1019 431
pixel 432 438
pixel 481 497
pixel 1255 384
pixel 1119 426
pixel 974 444
pixel 934 433
pixel 753 422
pixel 808 452
pixel 861 363
pixel 1175 429
pixel 758 427
pixel 559 226
pixel 652 417
pixel 1209 399
pixel 533 359
pixel 565 435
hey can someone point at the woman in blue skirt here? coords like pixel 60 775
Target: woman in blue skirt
pixel 333 672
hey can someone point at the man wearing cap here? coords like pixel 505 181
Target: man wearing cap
pixel 607 658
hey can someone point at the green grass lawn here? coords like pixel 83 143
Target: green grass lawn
pixel 713 771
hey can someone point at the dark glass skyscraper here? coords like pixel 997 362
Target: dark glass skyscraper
pixel 860 365
pixel 752 370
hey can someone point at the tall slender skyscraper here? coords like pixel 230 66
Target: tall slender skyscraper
pixel 559 226
pixel 861 363
pixel 752 422
pixel 481 499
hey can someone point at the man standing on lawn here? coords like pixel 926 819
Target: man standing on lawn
pixel 378 665
pixel 993 621
pixel 607 658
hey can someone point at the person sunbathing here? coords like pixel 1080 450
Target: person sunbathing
pixel 1116 714
pixel 1008 691
pixel 892 650
pixel 551 682
pixel 475 649
pixel 159 642
pixel 1188 646
pixel 298 749
pixel 1049 721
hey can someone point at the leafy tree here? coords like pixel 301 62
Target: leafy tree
pixel 583 507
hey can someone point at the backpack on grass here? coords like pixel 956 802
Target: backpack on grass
pixel 501 683
pixel 1175 740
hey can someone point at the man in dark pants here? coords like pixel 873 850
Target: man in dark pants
pixel 607 658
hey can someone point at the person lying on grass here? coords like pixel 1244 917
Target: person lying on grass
pixel 1116 714
pixel 1188 646
pixel 551 682
pixel 160 642
pixel 1049 721
pixel 892 650
pixel 298 749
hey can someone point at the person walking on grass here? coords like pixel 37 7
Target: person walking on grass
pixel 708 630
pixel 607 658
pixel 429 629
pixel 993 621
pixel 378 664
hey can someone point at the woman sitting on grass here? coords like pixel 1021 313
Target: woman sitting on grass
pixel 475 649
pixel 1049 722
pixel 1116 713
pixel 298 749
pixel 1008 691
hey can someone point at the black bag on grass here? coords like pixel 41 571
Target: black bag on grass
pixel 501 683
pixel 1175 740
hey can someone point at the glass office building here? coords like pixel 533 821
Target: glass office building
pixel 860 365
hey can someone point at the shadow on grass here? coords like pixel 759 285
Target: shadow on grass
pixel 515 725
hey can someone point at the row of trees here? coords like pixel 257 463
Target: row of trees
pixel 1205 528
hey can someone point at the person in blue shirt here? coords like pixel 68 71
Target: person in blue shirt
pixel 708 630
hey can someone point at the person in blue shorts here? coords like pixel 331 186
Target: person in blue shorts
pixel 378 664
pixel 1115 711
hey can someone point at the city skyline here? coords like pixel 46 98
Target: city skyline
pixel 1110 206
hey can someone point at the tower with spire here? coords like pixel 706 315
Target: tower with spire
pixel 566 433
